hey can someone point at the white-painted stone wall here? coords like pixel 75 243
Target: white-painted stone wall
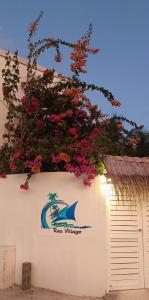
pixel 69 263
pixel 65 262
pixel 7 266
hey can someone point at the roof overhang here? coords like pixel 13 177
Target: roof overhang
pixel 132 172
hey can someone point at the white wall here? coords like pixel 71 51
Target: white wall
pixel 69 263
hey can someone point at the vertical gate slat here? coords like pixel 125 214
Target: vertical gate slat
pixel 145 218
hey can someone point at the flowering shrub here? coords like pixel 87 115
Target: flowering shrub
pixel 55 127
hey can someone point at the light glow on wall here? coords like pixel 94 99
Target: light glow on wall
pixel 107 187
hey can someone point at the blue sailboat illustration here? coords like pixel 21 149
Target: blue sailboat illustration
pixel 66 213
pixel 58 216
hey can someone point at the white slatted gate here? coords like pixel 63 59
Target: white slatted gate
pixel 145 221
pixel 128 243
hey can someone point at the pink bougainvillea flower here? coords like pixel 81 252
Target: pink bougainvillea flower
pixel 34 103
pixel 55 158
pixel 84 143
pixel 83 146
pixel 24 186
pixel 73 131
pixel 81 170
pixel 81 160
pixel 30 105
pixel 3 175
pixel 80 113
pixel 12 166
pixel 39 122
pixel 84 169
pixel 29 164
pixel 91 176
pixel 94 132
pixel 88 169
pixel 54 118
pixel 28 110
pixel 87 182
pixel 69 168
pixel 73 169
pixel 17 155
pixel 24 100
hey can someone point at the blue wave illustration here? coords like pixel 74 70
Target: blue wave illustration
pixel 44 223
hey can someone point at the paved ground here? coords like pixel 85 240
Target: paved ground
pixel 16 293
pixel 129 295
pixel 37 294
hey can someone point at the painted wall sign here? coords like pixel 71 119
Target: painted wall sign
pixel 60 217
